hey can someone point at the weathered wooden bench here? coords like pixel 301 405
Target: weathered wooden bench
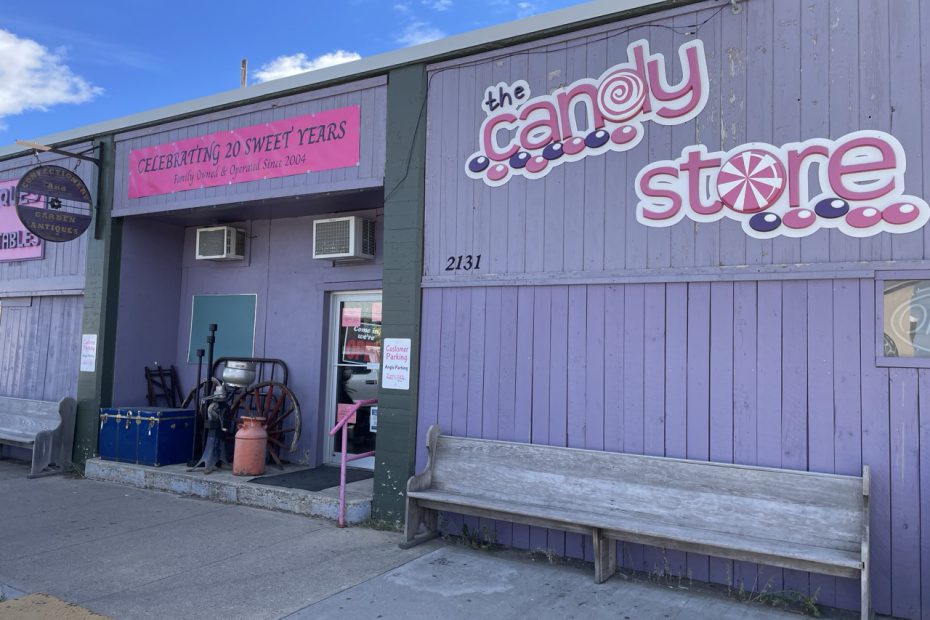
pixel 44 427
pixel 790 519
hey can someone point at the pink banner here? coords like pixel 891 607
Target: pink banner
pixel 321 141
pixel 16 243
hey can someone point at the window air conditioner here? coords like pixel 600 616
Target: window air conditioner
pixel 220 243
pixel 344 239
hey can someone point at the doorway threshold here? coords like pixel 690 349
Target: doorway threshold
pixel 222 486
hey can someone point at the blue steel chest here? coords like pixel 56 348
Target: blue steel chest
pixel 146 436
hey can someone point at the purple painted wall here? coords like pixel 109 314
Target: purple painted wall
pixel 292 306
pixel 369 94
pixel 585 328
pixel 147 319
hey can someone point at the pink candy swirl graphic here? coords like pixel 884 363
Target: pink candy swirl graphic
pixel 621 95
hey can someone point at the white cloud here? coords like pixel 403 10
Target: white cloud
pixel 402 8
pixel 35 78
pixel 525 9
pixel 283 66
pixel 419 32
pixel 520 8
pixel 438 5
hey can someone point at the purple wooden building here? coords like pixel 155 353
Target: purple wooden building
pixel 691 229
pixel 698 233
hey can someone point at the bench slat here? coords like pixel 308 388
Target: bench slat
pixel 786 518
pixel 800 487
pixel 31 408
pixel 797 523
pixel 633 529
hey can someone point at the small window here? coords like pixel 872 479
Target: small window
pixel 905 320
pixel 234 316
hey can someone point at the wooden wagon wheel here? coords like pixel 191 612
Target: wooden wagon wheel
pixel 278 405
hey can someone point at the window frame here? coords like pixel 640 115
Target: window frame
pixel 881 360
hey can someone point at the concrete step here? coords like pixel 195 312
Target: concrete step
pixel 222 486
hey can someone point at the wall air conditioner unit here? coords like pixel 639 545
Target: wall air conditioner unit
pixel 344 239
pixel 220 243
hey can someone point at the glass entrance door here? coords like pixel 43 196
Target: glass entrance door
pixel 354 372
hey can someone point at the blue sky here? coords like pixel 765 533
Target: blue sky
pixel 68 64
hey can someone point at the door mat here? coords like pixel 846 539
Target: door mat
pixel 316 479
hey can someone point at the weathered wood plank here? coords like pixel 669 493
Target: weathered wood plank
pixel 721 394
pixel 698 387
pixel 905 489
pixel 848 420
pixel 875 449
pixel 523 403
pixel 820 397
pixel 480 323
pixel 769 386
pixel 904 63
pixel 429 400
pixel 459 393
pixel 794 380
pixel 924 448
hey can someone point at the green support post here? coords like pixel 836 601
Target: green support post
pixel 101 295
pixel 404 182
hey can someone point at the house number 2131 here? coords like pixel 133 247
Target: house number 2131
pixel 465 262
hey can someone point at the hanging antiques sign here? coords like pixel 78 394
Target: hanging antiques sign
pixel 322 141
pixel 16 242
pixel 53 203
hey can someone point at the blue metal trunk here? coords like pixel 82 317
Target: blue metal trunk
pixel 150 436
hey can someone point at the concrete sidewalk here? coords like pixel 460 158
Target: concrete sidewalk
pixel 128 553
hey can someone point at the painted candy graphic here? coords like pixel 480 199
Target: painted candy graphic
pixel 860 191
pixel 751 181
pixel 529 136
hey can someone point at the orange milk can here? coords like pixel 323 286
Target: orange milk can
pixel 251 441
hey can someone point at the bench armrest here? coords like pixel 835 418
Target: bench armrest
pixel 423 480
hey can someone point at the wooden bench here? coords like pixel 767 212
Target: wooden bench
pixel 44 427
pixel 790 519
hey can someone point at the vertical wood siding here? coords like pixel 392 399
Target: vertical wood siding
pixel 768 371
pixel 40 341
pixel 370 95
pixel 779 72
pixel 790 383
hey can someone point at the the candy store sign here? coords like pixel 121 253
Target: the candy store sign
pixel 859 188
pixel 858 185
pixel 528 136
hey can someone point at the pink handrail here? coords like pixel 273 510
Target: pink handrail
pixel 340 425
